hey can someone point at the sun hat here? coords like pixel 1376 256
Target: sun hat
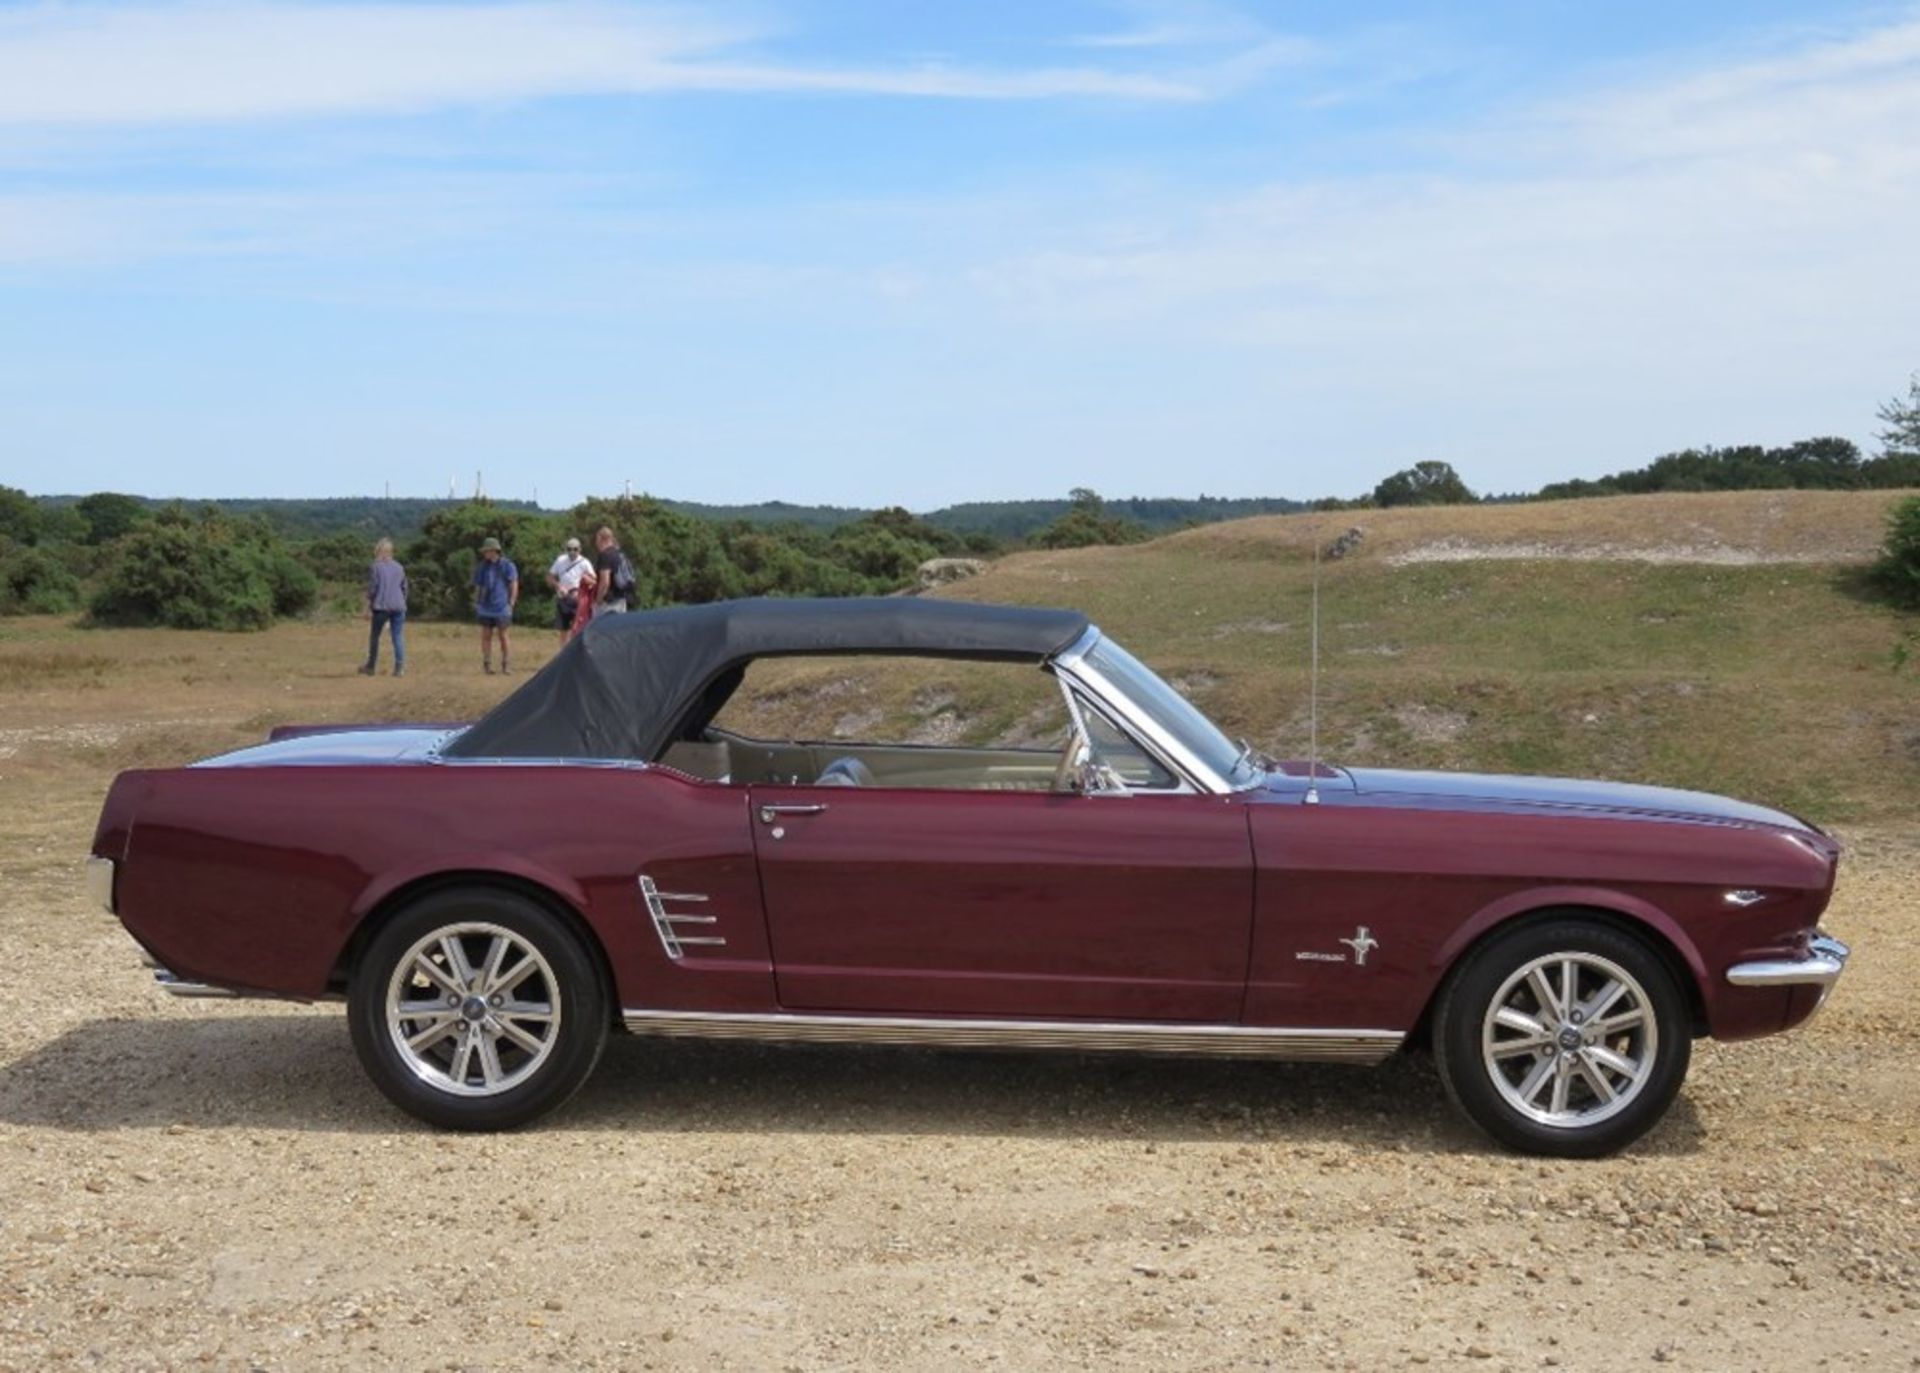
pixel 490 545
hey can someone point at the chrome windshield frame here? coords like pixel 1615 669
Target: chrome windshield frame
pixel 1072 664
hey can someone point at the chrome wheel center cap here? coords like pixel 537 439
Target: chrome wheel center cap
pixel 1569 1037
pixel 474 1008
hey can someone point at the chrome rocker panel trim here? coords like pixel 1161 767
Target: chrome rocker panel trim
pixel 1826 959
pixel 1223 1041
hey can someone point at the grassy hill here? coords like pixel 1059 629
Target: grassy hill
pixel 1718 641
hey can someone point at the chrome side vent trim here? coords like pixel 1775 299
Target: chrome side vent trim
pixel 667 923
pixel 1219 1041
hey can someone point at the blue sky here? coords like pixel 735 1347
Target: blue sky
pixel 873 253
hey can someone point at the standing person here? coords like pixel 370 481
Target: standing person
pixel 496 590
pixel 564 577
pixel 583 612
pixel 386 608
pixel 613 572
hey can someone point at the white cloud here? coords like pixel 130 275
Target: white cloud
pixel 1730 249
pixel 1177 24
pixel 1761 176
pixel 149 64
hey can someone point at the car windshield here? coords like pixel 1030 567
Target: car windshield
pixel 1171 711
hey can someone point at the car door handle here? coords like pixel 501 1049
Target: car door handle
pixel 769 813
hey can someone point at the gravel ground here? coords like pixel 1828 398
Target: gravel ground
pixel 215 1185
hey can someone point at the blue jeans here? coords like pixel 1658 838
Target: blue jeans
pixel 395 622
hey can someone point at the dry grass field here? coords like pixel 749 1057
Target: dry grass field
pixel 215 1185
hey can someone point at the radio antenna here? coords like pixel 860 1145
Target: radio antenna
pixel 1312 797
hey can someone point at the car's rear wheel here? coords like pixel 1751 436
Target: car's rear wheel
pixel 1566 1037
pixel 477 1009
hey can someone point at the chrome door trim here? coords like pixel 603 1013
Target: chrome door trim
pixel 1222 1041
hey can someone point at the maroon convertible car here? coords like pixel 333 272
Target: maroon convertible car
pixel 597 853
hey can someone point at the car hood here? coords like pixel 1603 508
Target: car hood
pixel 300 745
pixel 1485 790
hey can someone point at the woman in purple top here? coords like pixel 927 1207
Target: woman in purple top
pixel 386 608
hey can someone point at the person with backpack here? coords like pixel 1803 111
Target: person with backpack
pixel 613 574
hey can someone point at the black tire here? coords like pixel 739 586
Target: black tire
pixel 1461 1019
pixel 566 980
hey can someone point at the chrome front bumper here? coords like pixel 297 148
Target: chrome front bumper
pixel 1826 959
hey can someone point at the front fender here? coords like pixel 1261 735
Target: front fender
pixel 1519 903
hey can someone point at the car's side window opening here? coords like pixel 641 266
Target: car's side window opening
pixel 870 721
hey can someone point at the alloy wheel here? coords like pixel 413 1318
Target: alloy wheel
pixel 473 1009
pixel 1569 1039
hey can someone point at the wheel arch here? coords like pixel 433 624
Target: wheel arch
pixel 1627 914
pixel 398 897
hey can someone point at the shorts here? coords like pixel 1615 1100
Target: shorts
pixel 495 621
pixel 564 609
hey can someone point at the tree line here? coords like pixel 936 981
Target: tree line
pixel 126 560
pixel 1823 464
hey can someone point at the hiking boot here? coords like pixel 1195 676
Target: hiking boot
pixel 487 668
pixel 399 670
pixel 367 671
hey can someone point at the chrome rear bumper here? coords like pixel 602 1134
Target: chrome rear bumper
pixel 1826 959
pixel 174 985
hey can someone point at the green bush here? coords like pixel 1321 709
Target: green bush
pixel 108 515
pixel 34 582
pixel 201 572
pixel 678 559
pixel 1425 483
pixel 1087 524
pixel 1899 567
pixel 19 516
pixel 339 557
pixel 440 562
pixel 295 589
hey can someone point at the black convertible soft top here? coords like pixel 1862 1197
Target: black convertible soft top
pixel 631 684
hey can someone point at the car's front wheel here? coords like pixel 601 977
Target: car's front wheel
pixel 477 1009
pixel 1565 1036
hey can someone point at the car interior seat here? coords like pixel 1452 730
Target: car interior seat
pixel 845 772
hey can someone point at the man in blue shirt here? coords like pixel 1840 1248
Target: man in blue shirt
pixel 496 590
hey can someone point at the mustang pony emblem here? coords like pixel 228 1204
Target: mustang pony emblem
pixel 1362 944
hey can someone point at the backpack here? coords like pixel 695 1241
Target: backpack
pixel 623 581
